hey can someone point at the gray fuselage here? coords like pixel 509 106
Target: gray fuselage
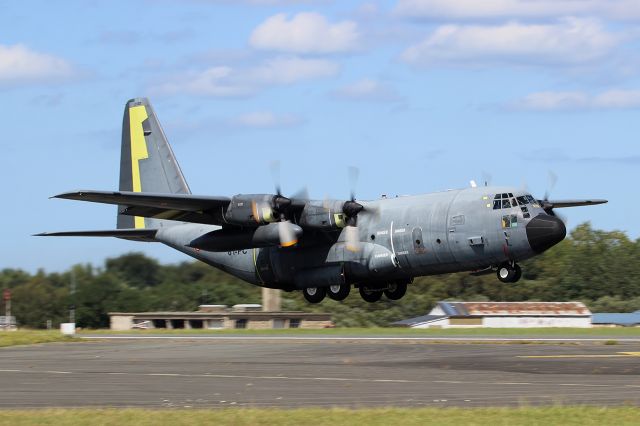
pixel 405 237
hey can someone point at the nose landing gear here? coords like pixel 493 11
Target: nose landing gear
pixel 509 272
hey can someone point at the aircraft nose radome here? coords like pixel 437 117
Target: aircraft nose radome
pixel 544 231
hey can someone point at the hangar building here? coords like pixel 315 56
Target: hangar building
pixel 502 315
pixel 219 317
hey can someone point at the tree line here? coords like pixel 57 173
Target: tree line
pixel 599 268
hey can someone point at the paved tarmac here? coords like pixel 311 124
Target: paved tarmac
pixel 349 372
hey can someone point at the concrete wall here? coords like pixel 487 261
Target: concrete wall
pixel 121 322
pixel 526 322
pixel 315 324
pixel 508 322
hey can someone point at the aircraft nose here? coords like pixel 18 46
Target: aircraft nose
pixel 544 231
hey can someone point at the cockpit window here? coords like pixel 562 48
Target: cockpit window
pixel 507 201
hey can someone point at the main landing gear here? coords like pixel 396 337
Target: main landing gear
pixel 335 292
pixel 509 272
pixel 393 291
pixel 314 294
pixel 371 294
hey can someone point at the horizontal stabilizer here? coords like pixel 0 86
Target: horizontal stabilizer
pixel 127 234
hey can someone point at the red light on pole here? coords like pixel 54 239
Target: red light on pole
pixel 6 295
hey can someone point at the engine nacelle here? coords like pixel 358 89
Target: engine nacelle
pixel 323 215
pixel 252 209
pixel 235 239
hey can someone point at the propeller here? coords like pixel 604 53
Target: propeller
pixel 281 205
pixel 545 204
pixel 351 209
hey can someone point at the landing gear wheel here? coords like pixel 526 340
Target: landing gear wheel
pixel 370 295
pixel 314 294
pixel 396 291
pixel 508 273
pixel 338 291
pixel 518 273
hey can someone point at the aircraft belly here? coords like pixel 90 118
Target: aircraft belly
pixel 238 263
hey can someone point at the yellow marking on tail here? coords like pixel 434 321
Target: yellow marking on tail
pixel 137 115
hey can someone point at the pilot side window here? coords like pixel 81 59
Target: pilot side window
pixel 510 221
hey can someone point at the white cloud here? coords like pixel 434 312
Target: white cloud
pixel 265 120
pixel 573 101
pixel 367 90
pixel 306 32
pixel 571 41
pixel 225 81
pixel 291 70
pixel 520 9
pixel 19 65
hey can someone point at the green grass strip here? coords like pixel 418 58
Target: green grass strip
pixel 30 337
pixel 414 332
pixel 568 416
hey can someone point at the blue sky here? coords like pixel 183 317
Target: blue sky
pixel 421 95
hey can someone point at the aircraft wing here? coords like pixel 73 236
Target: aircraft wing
pixel 556 204
pixel 127 234
pixel 181 207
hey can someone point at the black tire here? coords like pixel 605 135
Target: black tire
pixel 518 273
pixel 370 295
pixel 506 273
pixel 338 292
pixel 396 291
pixel 314 294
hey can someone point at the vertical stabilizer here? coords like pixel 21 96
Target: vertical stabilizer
pixel 147 163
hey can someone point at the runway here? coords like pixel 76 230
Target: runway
pixel 189 372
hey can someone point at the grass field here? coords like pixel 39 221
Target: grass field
pixel 582 416
pixel 30 337
pixel 380 331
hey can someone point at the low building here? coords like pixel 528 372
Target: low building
pixel 608 319
pixel 219 317
pixel 502 315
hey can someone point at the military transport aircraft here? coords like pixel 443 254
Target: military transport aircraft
pixel 321 247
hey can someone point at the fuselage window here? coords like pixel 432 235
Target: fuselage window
pixel 522 200
pixel 525 212
pixel 506 204
pixel 497 204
